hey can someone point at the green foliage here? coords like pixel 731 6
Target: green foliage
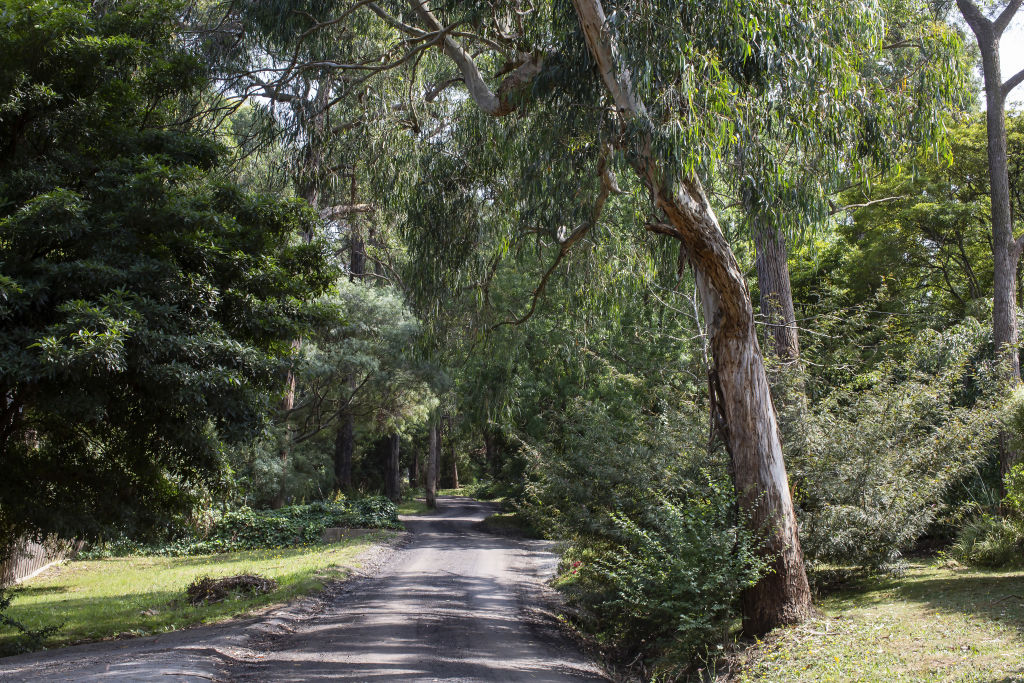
pixel 248 529
pixel 990 541
pixel 991 538
pixel 673 584
pixel 657 556
pixel 147 303
pixel 29 639
pixel 870 464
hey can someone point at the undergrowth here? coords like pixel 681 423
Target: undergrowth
pixel 248 529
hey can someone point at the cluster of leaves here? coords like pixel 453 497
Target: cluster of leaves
pixel 133 270
pixel 673 583
pixel 657 555
pixel 248 529
pixel 871 463
pixel 993 535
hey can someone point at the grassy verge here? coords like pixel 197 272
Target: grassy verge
pixel 479 491
pixel 412 507
pixel 934 624
pixel 99 599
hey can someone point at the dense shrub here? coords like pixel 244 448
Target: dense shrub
pixel 871 463
pixel 988 539
pixel 656 555
pixel 673 585
pixel 248 529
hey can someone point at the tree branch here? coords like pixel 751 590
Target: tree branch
pixel 437 89
pixel 345 210
pixel 975 18
pixel 1004 18
pixel 496 104
pixel 1012 82
pixel 853 207
pixel 609 186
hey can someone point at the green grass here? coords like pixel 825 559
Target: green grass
pixel 412 507
pixel 475 490
pixel 99 599
pixel 936 623
pixel 461 491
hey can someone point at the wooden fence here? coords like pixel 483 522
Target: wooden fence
pixel 31 557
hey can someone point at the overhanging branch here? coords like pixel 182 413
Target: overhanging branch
pixel 1005 17
pixel 1012 82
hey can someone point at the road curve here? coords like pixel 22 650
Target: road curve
pixel 455 604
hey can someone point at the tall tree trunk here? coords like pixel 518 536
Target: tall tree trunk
pixel 308 182
pixel 344 438
pixel 776 292
pixel 433 455
pixel 752 432
pixel 491 451
pixel 1006 251
pixel 743 398
pixel 284 453
pixel 455 459
pixel 414 469
pixel 392 475
pixel 344 446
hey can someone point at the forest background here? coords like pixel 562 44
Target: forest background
pixel 719 297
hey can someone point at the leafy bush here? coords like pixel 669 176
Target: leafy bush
pixel 248 529
pixel 989 541
pixel 992 540
pixel 871 463
pixel 656 554
pixel 674 584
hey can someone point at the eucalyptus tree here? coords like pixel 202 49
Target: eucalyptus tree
pixel 789 184
pixel 668 114
pixel 326 119
pixel 1006 249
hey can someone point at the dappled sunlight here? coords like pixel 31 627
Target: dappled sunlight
pixel 99 599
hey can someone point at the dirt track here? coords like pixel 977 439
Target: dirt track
pixel 454 604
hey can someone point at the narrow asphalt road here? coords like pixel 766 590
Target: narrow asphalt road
pixel 455 603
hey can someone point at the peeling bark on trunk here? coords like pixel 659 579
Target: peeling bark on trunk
pixel 1006 251
pixel 752 436
pixel 433 454
pixel 776 292
pixel 758 471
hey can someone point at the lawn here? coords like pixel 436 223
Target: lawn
pixel 98 599
pixel 936 623
pixel 413 507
